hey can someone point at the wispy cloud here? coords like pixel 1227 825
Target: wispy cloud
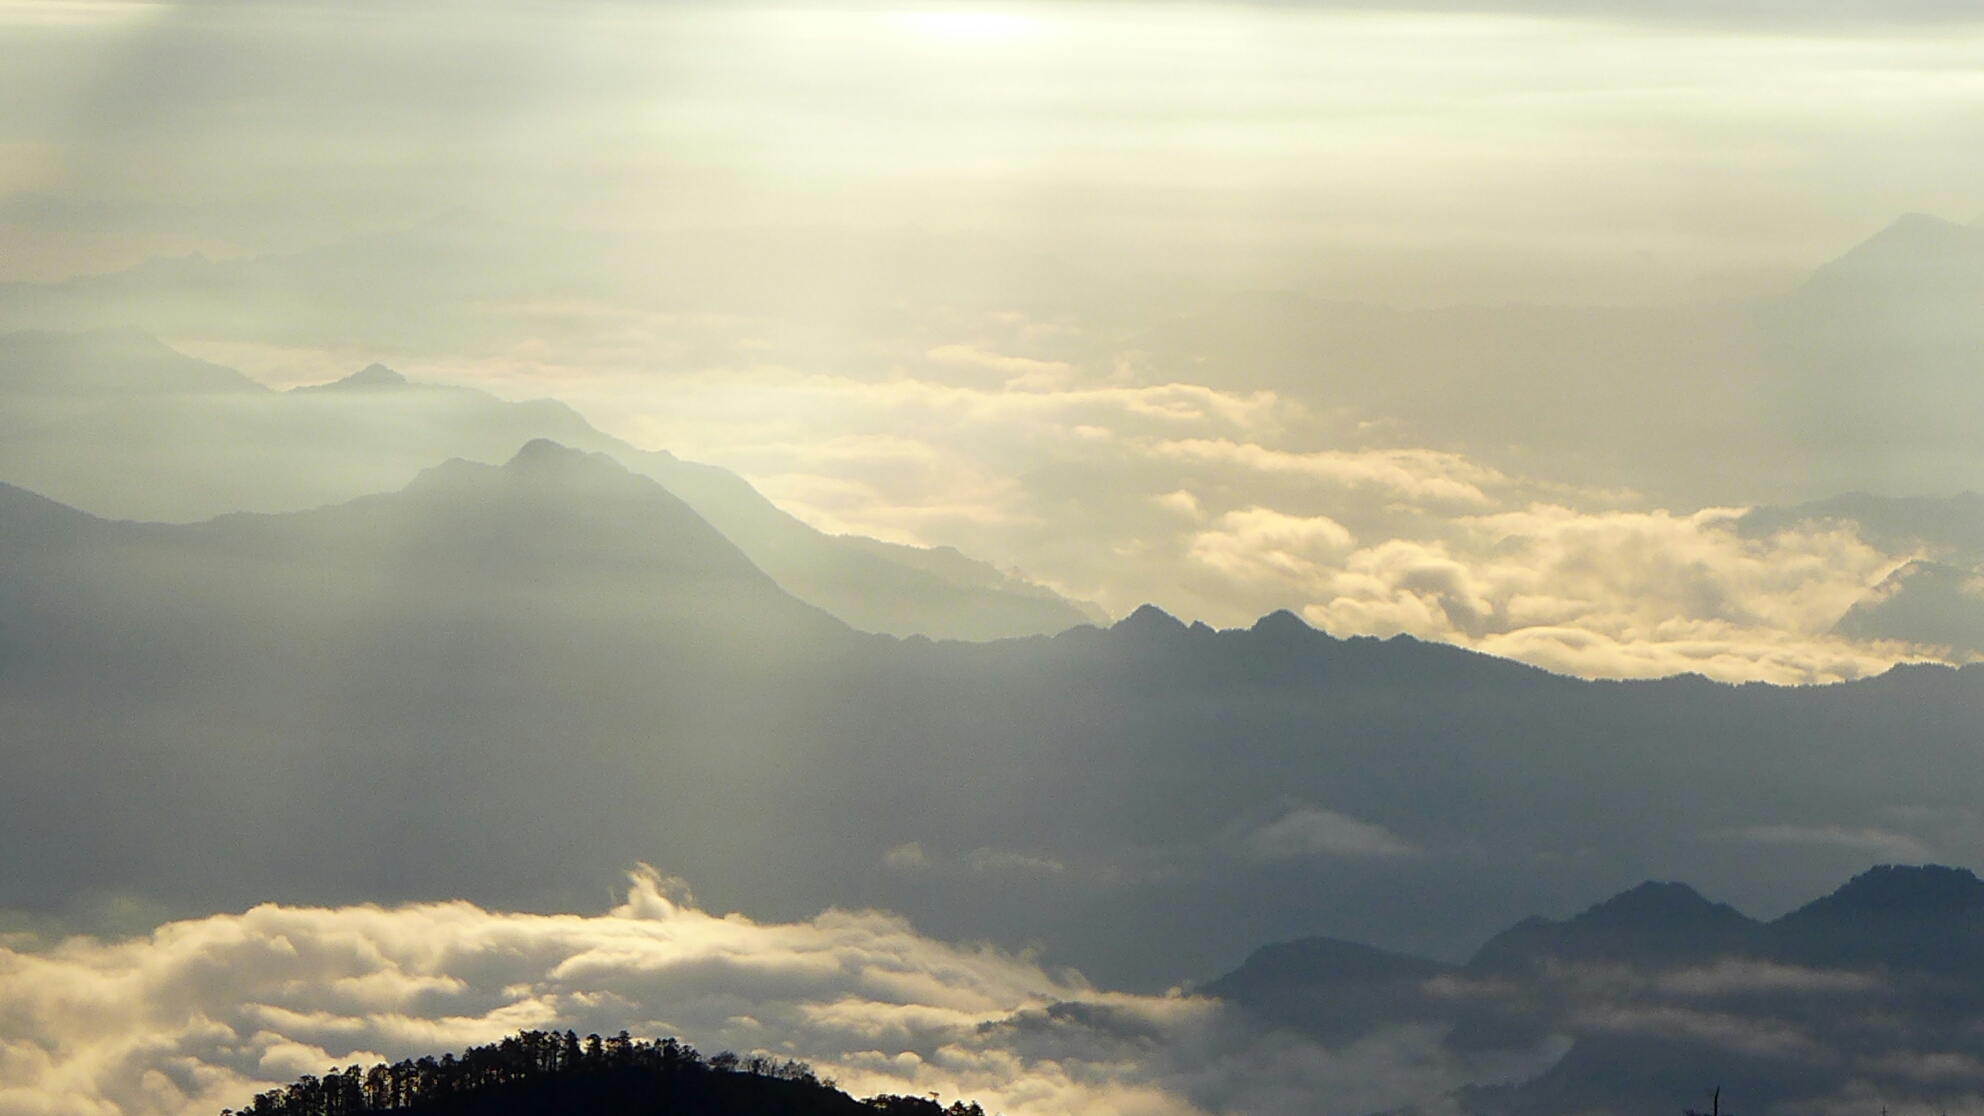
pixel 1885 843
pixel 1304 831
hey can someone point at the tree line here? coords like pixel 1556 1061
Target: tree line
pixel 537 1056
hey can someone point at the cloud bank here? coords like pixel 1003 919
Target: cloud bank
pixel 201 1014
pixel 1223 506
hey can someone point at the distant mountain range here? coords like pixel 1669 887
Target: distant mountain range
pixel 510 683
pixel 1869 995
pixel 1865 376
pixel 115 422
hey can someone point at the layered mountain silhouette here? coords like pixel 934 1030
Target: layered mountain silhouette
pixel 511 683
pixel 1862 376
pixel 1866 995
pixel 118 423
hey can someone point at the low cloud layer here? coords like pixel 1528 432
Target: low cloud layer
pixel 201 1014
pixel 1218 505
pixel 1223 506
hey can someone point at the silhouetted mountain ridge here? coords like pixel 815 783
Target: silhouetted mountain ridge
pixel 116 422
pixel 558 512
pixel 1665 923
pixel 1333 990
pixel 588 675
pixel 1660 989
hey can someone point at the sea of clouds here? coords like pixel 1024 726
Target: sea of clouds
pixel 201 1014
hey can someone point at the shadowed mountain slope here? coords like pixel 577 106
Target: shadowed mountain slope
pixel 118 423
pixel 1334 991
pixel 1925 603
pixel 511 683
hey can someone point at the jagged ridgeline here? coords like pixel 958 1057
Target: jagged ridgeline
pixel 546 1072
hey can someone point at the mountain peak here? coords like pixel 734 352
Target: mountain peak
pixel 1149 618
pixel 1282 622
pixel 372 377
pixel 1916 248
pixel 1654 923
pixel 1922 918
pixel 1915 232
pixel 1657 905
pixel 1895 891
pixel 1917 224
pixel 538 451
pixel 544 455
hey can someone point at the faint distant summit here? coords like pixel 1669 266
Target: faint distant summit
pixel 1662 905
pixel 547 458
pixel 1915 250
pixel 372 377
pixel 544 451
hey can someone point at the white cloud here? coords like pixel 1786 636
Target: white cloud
pixel 1180 501
pixel 201 1014
pixel 1740 975
pixel 1222 506
pixel 1257 542
pixel 906 857
pixel 1191 498
pixel 1409 474
pixel 1866 839
pixel 1009 862
pixel 1023 373
pixel 1184 496
pixel 1307 831
pixel 1615 594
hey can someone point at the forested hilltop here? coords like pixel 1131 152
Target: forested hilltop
pixel 548 1072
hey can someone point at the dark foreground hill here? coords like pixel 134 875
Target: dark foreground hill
pixel 510 684
pixel 1868 996
pixel 548 1074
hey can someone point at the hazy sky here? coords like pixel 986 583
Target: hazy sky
pixel 1006 276
pixel 892 262
pixel 1572 150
